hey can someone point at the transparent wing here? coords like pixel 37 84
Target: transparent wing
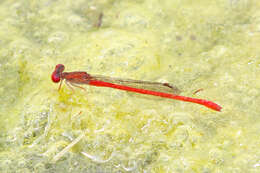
pixel 154 86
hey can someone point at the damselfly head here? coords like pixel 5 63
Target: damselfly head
pixel 56 75
pixel 59 68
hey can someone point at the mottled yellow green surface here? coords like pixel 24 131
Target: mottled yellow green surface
pixel 209 44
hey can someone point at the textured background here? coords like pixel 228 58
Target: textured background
pixel 212 45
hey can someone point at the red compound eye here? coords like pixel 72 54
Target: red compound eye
pixel 55 77
pixel 57 73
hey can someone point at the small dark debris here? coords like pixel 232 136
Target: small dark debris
pixel 179 38
pixel 192 37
